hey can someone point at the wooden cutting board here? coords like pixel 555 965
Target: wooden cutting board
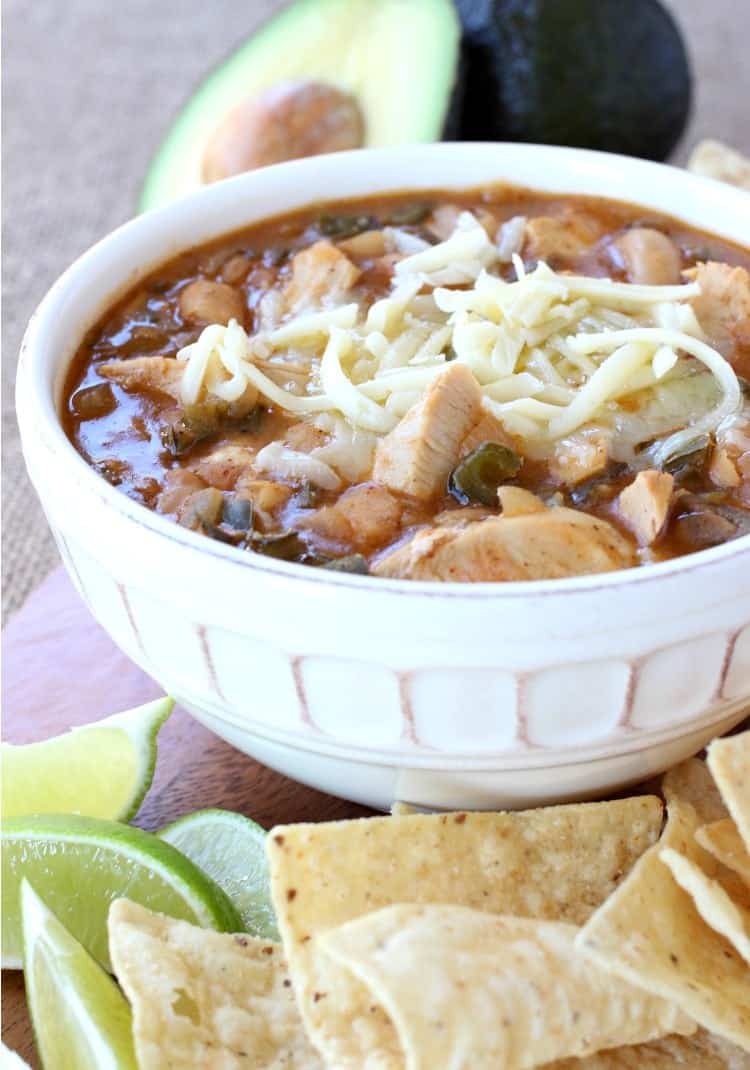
pixel 61 669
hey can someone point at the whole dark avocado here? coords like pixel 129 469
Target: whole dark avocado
pixel 601 74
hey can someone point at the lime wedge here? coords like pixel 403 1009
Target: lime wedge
pixel 231 850
pixel 100 770
pixel 81 1019
pixel 80 864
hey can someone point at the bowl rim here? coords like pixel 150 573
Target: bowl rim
pixel 30 393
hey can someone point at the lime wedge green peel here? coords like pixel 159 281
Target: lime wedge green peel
pixel 231 850
pixel 80 864
pixel 81 1019
pixel 100 770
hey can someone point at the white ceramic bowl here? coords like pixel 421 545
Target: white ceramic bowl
pixel 443 695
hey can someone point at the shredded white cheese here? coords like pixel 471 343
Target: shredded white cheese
pixel 349 450
pixel 553 353
pixel 342 392
pixel 309 328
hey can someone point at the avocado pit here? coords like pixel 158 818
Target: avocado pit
pixel 288 121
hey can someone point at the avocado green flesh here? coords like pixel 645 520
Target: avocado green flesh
pixel 399 59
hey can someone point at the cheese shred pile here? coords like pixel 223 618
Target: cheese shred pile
pixel 552 353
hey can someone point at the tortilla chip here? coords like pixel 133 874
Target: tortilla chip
pixel 701 1051
pixel 691 782
pixel 729 761
pixel 714 159
pixel 724 842
pixel 205 999
pixel 713 903
pixel 465 988
pixel 558 863
pixel 650 933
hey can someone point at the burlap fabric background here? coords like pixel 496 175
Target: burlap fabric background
pixel 88 90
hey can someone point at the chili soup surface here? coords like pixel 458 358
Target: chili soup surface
pixel 494 385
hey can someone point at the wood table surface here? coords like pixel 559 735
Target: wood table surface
pixel 60 669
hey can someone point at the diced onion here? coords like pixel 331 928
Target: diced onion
pixel 467 245
pixel 284 463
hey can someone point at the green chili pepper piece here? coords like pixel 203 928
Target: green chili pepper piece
pixel 691 459
pixel 284 545
pixel 344 226
pixel 476 478
pixel 409 214
pixel 352 563
pixel 250 421
pixel 237 512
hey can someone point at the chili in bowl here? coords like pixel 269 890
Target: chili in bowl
pixel 445 478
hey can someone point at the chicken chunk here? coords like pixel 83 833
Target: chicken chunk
pixel 179 484
pixel 235 270
pixel 417 457
pixel 462 517
pixel 201 510
pixel 723 309
pixel 365 246
pixel 373 514
pixel 566 237
pixel 266 495
pixel 515 501
pixel 304 437
pixel 365 517
pixel 321 275
pixel 648 256
pixel 163 374
pixel 223 466
pixel 444 219
pixel 204 301
pixel 531 546
pixel 644 504
pixel 723 470
pixel 730 459
pixel 579 457
pixel 487 429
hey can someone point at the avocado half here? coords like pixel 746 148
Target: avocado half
pixel 398 59
pixel 600 74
